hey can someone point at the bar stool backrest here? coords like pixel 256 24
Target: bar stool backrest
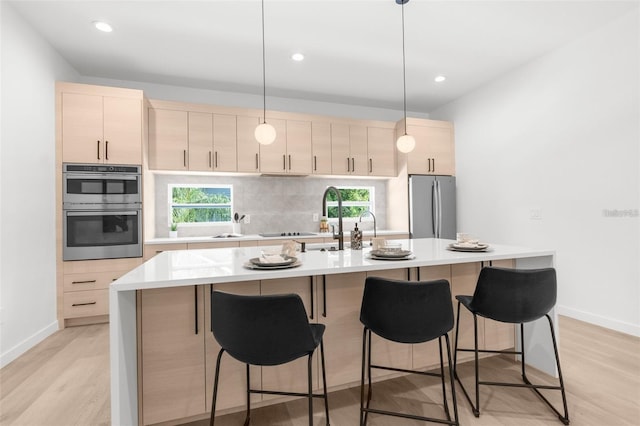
pixel 406 311
pixel 261 330
pixel 514 295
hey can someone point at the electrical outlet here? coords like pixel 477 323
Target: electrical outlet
pixel 247 219
pixel 535 214
pixel 315 217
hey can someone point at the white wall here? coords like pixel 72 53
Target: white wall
pixel 30 68
pixel 561 135
pixel 244 100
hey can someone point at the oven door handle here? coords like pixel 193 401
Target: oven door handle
pixel 101 212
pixel 100 176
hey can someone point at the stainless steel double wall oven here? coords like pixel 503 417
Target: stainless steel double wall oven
pixel 102 211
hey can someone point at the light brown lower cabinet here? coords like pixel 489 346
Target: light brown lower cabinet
pixel 172 346
pixel 178 353
pixel 85 288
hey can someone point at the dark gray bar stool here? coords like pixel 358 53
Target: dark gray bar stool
pixel 515 296
pixel 266 330
pixel 406 312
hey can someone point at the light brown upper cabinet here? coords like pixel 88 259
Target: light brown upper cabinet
pixel 168 139
pixel 381 150
pixel 298 158
pixel 291 151
pixel 321 148
pixel 273 156
pixel 434 153
pixel 100 124
pixel 212 142
pixel 224 143
pixel 349 149
pixel 247 145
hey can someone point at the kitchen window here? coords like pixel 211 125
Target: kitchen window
pixel 201 204
pixel 355 201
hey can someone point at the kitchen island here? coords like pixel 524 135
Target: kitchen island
pixel 330 283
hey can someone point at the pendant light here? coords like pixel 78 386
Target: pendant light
pixel 265 133
pixel 405 143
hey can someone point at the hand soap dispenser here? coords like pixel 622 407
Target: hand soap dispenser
pixel 356 239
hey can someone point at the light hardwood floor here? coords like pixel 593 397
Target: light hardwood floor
pixel 65 381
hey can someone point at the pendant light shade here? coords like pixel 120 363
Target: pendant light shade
pixel 405 143
pixel 265 133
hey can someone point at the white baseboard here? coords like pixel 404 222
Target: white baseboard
pixel 613 324
pixel 25 345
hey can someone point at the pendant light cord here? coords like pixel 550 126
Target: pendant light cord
pixel 264 78
pixel 404 73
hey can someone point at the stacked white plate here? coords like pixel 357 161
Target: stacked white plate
pixel 272 262
pixel 394 254
pixel 468 246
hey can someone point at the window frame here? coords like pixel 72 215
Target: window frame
pixel 369 204
pixel 171 205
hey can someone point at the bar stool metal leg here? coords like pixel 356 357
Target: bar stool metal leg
pixel 563 418
pixel 215 388
pixel 247 420
pixel 310 389
pixel 324 383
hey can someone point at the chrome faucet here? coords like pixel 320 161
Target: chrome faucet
pixel 374 220
pixel 340 235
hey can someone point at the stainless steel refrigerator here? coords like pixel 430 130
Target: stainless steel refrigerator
pixel 432 206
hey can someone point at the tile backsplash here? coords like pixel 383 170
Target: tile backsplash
pixel 274 203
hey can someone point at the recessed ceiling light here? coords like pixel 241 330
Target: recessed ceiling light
pixel 440 79
pixel 102 26
pixel 298 57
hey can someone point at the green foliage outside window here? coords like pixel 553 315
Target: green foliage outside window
pixel 355 201
pixel 195 204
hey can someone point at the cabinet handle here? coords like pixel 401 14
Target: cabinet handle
pixel 83 282
pixel 348 165
pixel 434 164
pixel 98 149
pixel 106 150
pixel 289 161
pixel 184 157
pixel 284 162
pixel 353 164
pixel 195 295
pixel 216 159
pixel 209 159
pixel 312 299
pixel 370 165
pixel 315 163
pixel 83 304
pixel 257 164
pixel 324 296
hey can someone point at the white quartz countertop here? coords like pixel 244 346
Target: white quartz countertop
pixel 220 265
pixel 252 237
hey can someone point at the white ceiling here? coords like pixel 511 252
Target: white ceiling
pixel 353 48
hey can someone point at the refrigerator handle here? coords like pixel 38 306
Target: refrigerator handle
pixel 439 210
pixel 434 210
pixel 436 207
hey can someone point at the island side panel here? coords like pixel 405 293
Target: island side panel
pixel 123 357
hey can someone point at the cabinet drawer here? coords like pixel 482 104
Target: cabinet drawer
pixel 90 281
pixel 86 303
pixel 104 265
